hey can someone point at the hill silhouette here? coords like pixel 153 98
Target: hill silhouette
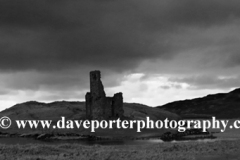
pixel 221 105
pixel 33 110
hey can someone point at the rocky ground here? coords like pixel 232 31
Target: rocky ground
pixel 219 150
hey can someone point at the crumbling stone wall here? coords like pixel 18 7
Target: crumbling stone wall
pixel 88 105
pixel 117 105
pixel 98 106
pixel 108 107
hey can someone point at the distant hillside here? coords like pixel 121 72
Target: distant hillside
pixel 74 111
pixel 222 105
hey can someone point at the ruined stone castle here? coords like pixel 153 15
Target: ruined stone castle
pixel 98 106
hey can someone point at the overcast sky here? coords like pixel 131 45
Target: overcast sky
pixel 154 51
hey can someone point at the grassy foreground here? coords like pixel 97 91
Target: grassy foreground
pixel 219 150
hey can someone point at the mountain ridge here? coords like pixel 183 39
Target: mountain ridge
pixel 220 105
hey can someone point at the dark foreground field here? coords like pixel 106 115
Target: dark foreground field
pixel 218 150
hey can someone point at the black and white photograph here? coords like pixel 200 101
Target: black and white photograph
pixel 119 80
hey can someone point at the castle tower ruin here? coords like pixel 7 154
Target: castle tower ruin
pixel 98 106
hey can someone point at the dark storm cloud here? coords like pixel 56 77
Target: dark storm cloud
pixel 53 44
pixel 46 35
pixel 171 13
pixel 30 14
pixel 64 84
pixel 36 81
pixel 50 35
